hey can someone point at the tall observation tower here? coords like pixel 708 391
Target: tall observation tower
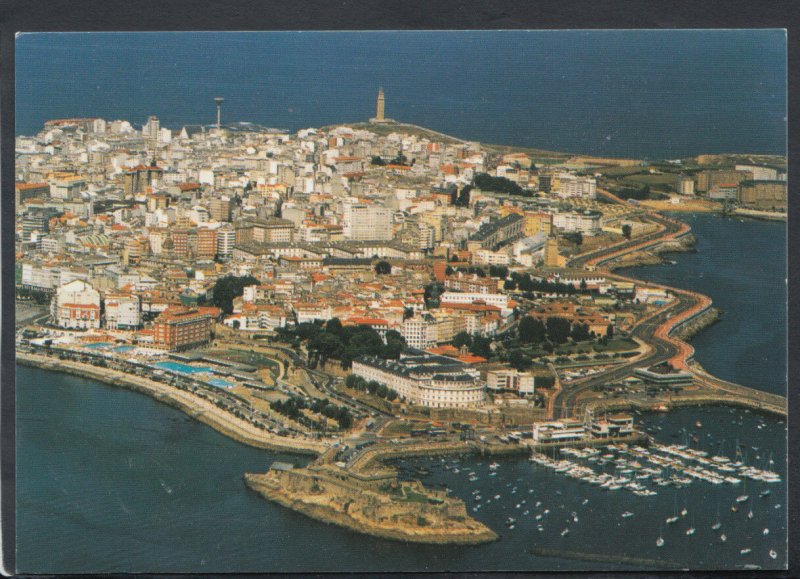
pixel 219 101
pixel 380 109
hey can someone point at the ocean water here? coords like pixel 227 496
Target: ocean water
pixel 110 480
pixel 642 94
pixel 741 264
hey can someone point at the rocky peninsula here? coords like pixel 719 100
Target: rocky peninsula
pixel 373 503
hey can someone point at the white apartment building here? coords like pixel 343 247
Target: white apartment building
pixel 122 312
pixel 419 332
pixel 76 305
pixel 585 222
pixel 226 239
pixel 497 300
pixel 363 222
pixel 577 186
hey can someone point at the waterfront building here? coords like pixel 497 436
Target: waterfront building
pixel 764 194
pixel 76 305
pixel 664 377
pixel 425 379
pixel 706 180
pixel 180 328
pixel 122 311
pixel 685 185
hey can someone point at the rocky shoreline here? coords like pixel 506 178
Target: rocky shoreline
pixel 691 329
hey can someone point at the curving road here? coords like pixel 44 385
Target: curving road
pixel 656 329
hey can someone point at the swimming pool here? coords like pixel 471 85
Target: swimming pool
pixel 98 345
pixel 182 368
pixel 219 383
pixel 124 348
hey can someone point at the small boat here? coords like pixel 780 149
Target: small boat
pixel 690 531
pixel 745 551
pixel 742 498
pixel 698 424
pixel 750 515
pixel 723 537
pixel 734 508
pixel 660 542
pixel 684 511
pixel 540 528
pixel 511 521
pixel 773 554
pixel 671 520
pixel 765 531
pixel 526 512
pixel 765 493
pixel 627 514
pixel 496 497
pixel 564 532
pixel 716 526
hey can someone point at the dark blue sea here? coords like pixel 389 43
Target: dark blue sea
pixel 641 94
pixel 111 480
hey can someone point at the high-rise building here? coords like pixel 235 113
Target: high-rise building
pixel 206 242
pixel 367 222
pixel 220 209
pixel 226 239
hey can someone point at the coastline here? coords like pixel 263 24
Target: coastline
pixel 193 406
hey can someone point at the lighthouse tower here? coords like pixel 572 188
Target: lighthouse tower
pixel 379 109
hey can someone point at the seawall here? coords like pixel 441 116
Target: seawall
pixel 194 406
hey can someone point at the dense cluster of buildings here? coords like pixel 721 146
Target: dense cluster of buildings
pixel 129 229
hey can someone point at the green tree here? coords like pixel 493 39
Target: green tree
pixel 518 360
pixel 462 339
pixel 610 331
pixel 227 288
pixel 531 330
pixel 558 329
pixel 383 268
pixel 481 346
pixel 580 332
pixel 626 231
